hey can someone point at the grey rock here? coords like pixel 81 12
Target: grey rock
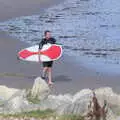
pixel 18 99
pixel 6 93
pixel 77 104
pixel 62 104
pixel 40 89
pixel 118 118
pixel 112 98
pixel 17 103
pixel 54 102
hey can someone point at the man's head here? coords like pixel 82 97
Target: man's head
pixel 47 34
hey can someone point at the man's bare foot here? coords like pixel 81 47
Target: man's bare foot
pixel 50 83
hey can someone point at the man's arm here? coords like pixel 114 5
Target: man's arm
pixel 54 40
pixel 40 47
pixel 41 44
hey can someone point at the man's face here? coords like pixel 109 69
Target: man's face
pixel 48 35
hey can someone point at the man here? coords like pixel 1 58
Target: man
pixel 47 66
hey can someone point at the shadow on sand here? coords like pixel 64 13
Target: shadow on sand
pixel 62 78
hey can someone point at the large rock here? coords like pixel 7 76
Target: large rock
pixel 112 98
pixel 118 118
pixel 76 104
pixel 79 103
pixel 67 104
pixel 16 100
pixel 108 94
pixel 6 93
pixel 54 102
pixel 40 89
pixel 17 103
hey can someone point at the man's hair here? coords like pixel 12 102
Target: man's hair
pixel 46 32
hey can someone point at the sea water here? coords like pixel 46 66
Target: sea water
pixel 89 30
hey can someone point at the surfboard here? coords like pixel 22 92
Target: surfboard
pixel 49 52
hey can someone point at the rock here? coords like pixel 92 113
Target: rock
pixel 16 104
pixel 63 103
pixel 83 93
pixel 17 101
pixel 76 104
pixel 40 89
pixel 6 93
pixel 110 115
pixel 67 104
pixel 54 102
pixel 118 118
pixel 108 94
pixel 112 98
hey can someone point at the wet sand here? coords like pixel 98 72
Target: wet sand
pixel 69 76
pixel 15 8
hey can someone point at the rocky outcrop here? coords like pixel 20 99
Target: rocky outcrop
pixel 17 100
pixel 76 104
pixel 17 103
pixel 6 93
pixel 67 103
pixel 112 98
pixel 118 118
pixel 40 89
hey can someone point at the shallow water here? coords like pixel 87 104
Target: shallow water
pixel 89 30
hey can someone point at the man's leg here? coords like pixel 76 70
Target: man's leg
pixel 50 75
pixel 44 73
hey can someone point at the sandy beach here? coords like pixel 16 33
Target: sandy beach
pixel 14 8
pixel 68 76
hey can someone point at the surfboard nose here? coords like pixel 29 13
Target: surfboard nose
pixel 24 54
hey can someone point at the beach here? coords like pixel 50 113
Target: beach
pixel 13 8
pixel 69 77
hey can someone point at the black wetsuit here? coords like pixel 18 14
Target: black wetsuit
pixel 43 42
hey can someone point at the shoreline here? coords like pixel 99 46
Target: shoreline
pixel 68 76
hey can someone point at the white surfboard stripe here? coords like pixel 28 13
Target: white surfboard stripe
pixel 36 58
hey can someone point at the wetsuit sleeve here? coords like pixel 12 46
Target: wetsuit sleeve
pixel 54 40
pixel 41 44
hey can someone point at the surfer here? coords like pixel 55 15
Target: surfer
pixel 47 66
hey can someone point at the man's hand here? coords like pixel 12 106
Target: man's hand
pixel 39 55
